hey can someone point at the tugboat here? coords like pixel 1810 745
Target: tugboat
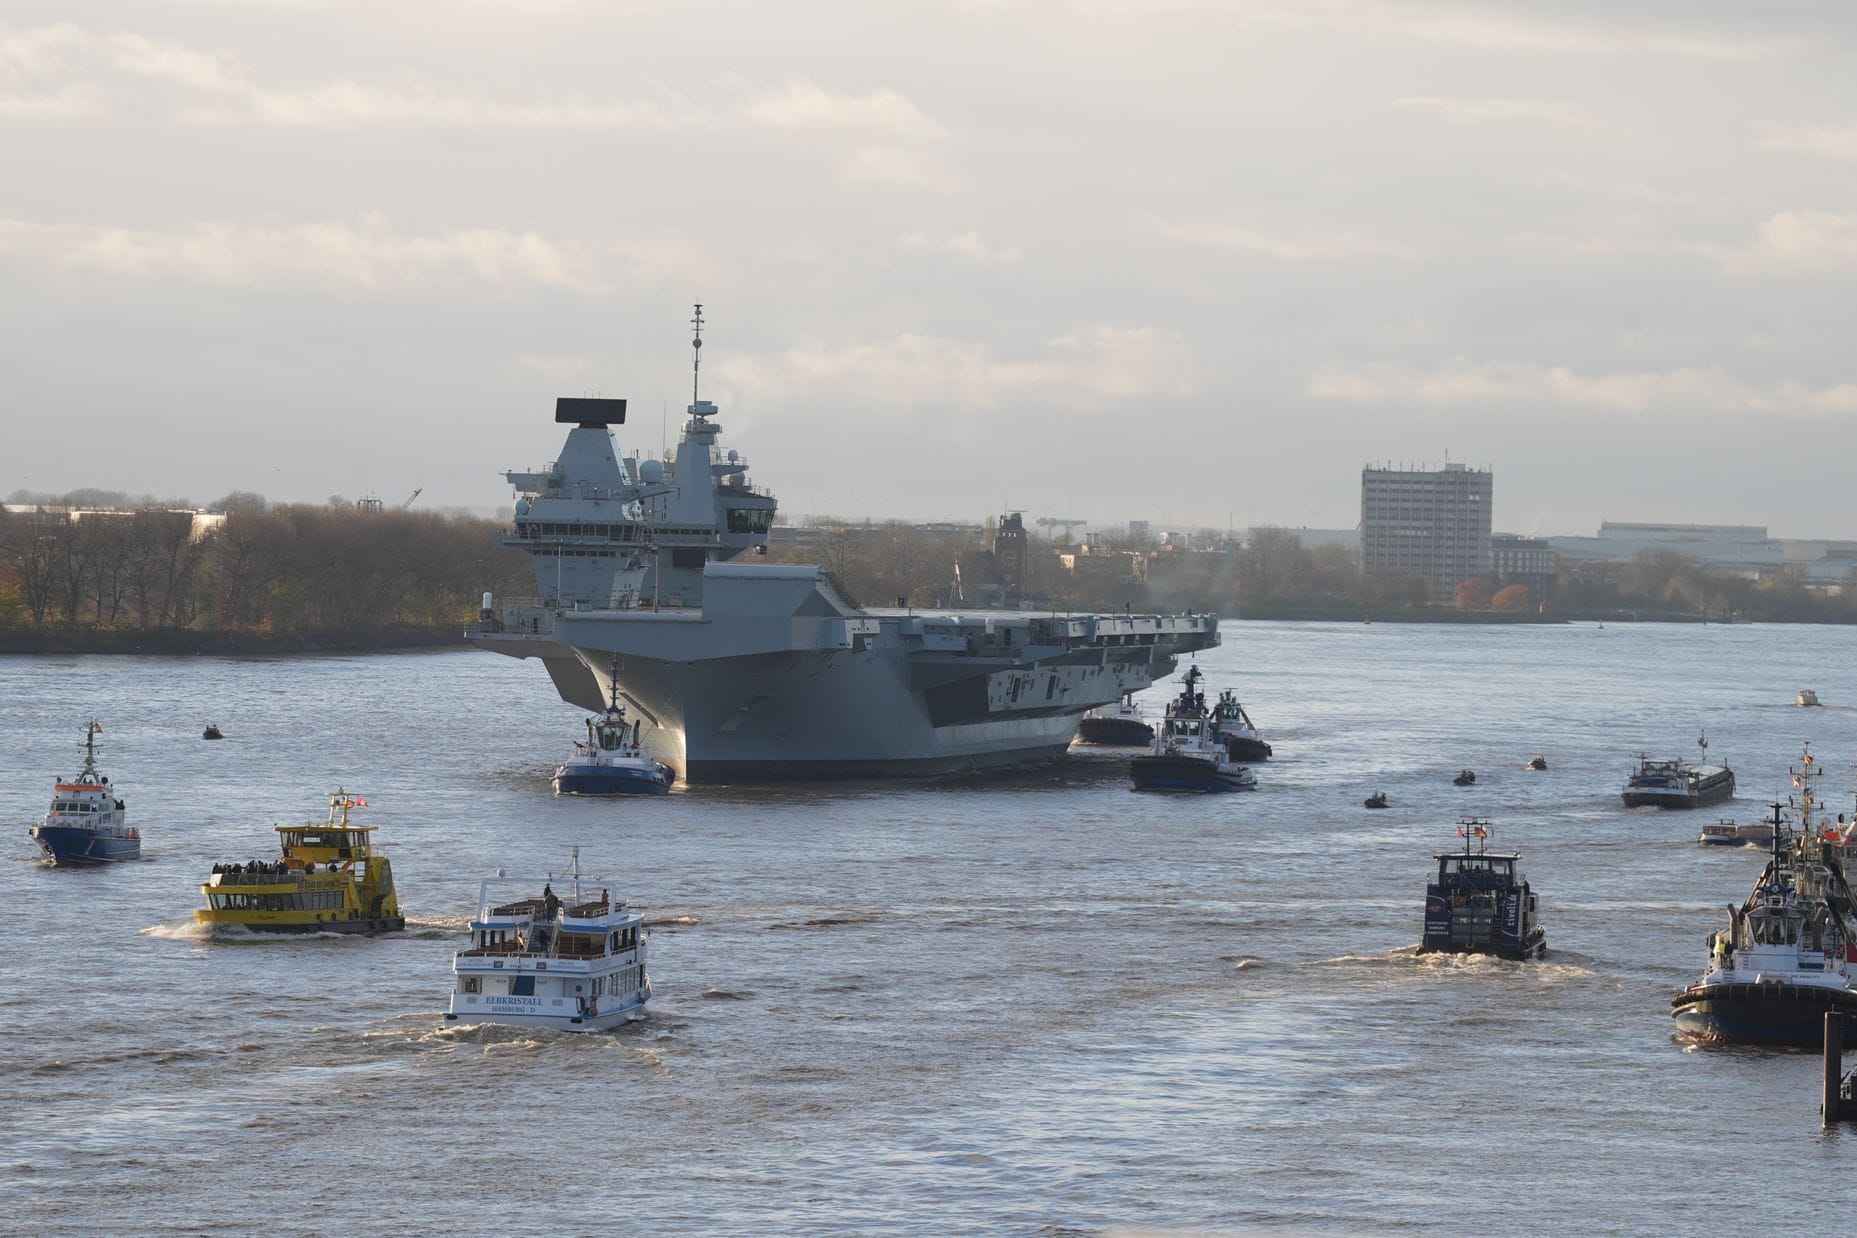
pixel 613 761
pixel 1784 961
pixel 574 965
pixel 1120 724
pixel 1670 783
pixel 1377 800
pixel 1235 728
pixel 87 823
pixel 1188 754
pixel 331 879
pixel 1480 903
pixel 1777 970
pixel 1465 778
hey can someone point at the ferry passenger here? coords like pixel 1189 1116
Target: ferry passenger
pixel 550 900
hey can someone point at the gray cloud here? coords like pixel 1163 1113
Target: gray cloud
pixel 1095 258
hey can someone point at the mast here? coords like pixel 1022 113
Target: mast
pixel 696 354
pixel 90 749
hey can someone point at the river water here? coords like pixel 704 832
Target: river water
pixel 1031 1001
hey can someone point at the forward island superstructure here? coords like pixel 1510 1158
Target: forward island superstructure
pixel 757 671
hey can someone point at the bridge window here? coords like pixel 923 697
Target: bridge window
pixel 750 519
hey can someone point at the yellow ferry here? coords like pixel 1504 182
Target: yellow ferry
pixel 330 880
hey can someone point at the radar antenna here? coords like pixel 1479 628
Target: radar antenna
pixel 696 353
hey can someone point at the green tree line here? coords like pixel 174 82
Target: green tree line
pixel 289 569
pixel 1273 571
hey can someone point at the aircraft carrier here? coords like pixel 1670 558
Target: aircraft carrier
pixel 763 672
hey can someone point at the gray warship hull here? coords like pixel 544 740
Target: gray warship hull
pixel 777 678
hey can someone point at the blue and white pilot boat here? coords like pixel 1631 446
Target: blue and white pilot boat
pixel 574 964
pixel 612 761
pixel 87 824
pixel 1188 753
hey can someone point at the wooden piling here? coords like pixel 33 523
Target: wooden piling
pixel 1834 1064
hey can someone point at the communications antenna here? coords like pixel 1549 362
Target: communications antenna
pixel 696 351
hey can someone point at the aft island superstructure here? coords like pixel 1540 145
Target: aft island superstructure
pixel 757 671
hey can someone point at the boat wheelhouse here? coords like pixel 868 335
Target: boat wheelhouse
pixel 331 878
pixel 574 964
pixel 612 761
pixel 1119 724
pixel 1188 754
pixel 1777 970
pixel 87 824
pixel 1238 731
pixel 1673 783
pixel 1479 902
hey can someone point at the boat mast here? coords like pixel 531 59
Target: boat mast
pixel 696 355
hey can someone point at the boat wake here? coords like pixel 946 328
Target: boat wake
pixel 840 920
pixel 192 930
pixel 1550 970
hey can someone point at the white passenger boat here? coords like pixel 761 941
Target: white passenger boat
pixel 1806 697
pixel 575 964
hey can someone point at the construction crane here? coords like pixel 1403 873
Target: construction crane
pixel 1055 523
pixel 417 491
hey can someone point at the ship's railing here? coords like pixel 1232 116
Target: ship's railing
pixel 249 878
pixel 512 949
pixel 519 616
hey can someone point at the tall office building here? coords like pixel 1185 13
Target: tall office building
pixel 1431 524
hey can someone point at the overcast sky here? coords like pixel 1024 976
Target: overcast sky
pixel 1194 262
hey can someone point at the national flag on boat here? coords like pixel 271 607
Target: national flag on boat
pixel 96 728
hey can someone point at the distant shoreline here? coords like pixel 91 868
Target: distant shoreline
pixel 226 644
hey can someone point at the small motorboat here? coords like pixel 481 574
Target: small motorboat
pixel 1538 764
pixel 1465 778
pixel 211 732
pixel 1377 800
pixel 1806 697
